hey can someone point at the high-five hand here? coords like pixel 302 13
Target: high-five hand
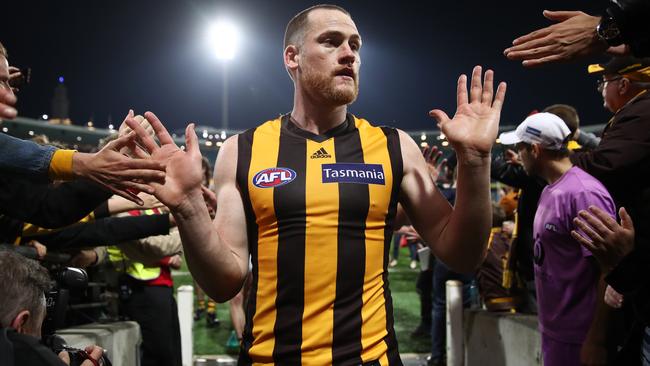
pixel 183 174
pixel 606 239
pixel 435 163
pixel 572 36
pixel 474 127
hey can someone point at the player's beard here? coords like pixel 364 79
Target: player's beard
pixel 321 85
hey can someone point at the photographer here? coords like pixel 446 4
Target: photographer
pixel 22 310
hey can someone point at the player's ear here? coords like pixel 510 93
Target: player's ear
pixel 291 58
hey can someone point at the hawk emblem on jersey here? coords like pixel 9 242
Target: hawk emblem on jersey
pixel 353 173
pixel 273 177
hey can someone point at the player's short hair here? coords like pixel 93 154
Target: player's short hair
pixel 297 25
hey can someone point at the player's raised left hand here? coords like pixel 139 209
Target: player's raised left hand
pixel 473 129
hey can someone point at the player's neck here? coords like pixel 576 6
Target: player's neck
pixel 316 117
pixel 554 169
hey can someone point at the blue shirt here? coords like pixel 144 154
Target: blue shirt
pixel 24 158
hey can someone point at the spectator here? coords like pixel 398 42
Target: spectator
pixel 621 162
pixel 412 240
pixel 492 276
pixel 508 169
pixel 579 138
pixel 508 203
pixel 395 247
pixel 622 29
pixel 151 300
pixel 107 168
pixel 572 313
pixel 22 311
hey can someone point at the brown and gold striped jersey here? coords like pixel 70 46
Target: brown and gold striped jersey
pixel 320 212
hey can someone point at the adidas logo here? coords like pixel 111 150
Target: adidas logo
pixel 320 154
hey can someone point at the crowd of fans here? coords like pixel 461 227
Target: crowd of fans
pixel 569 239
pixel 556 249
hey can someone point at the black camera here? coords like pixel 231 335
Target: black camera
pixel 57 298
pixel 65 279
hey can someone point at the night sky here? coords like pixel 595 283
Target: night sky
pixel 151 55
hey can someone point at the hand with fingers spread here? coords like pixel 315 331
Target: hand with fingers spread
pixel 119 174
pixel 184 174
pixel 473 129
pixel 607 240
pixel 435 163
pixel 124 130
pixel 573 36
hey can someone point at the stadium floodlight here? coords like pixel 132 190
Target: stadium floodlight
pixel 223 38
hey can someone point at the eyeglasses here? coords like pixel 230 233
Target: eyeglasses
pixel 600 84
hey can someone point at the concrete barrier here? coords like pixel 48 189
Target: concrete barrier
pixel 501 339
pixel 121 340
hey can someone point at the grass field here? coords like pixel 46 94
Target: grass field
pixel 212 341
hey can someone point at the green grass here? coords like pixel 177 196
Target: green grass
pixel 207 341
pixel 406 304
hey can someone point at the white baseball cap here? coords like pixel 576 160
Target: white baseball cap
pixel 545 129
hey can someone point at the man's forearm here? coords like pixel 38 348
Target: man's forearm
pixel 106 231
pixel 212 262
pixel 465 236
pixel 46 205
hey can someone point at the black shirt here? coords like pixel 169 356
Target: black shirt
pixel 25 350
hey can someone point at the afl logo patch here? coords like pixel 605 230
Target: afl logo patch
pixel 273 177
